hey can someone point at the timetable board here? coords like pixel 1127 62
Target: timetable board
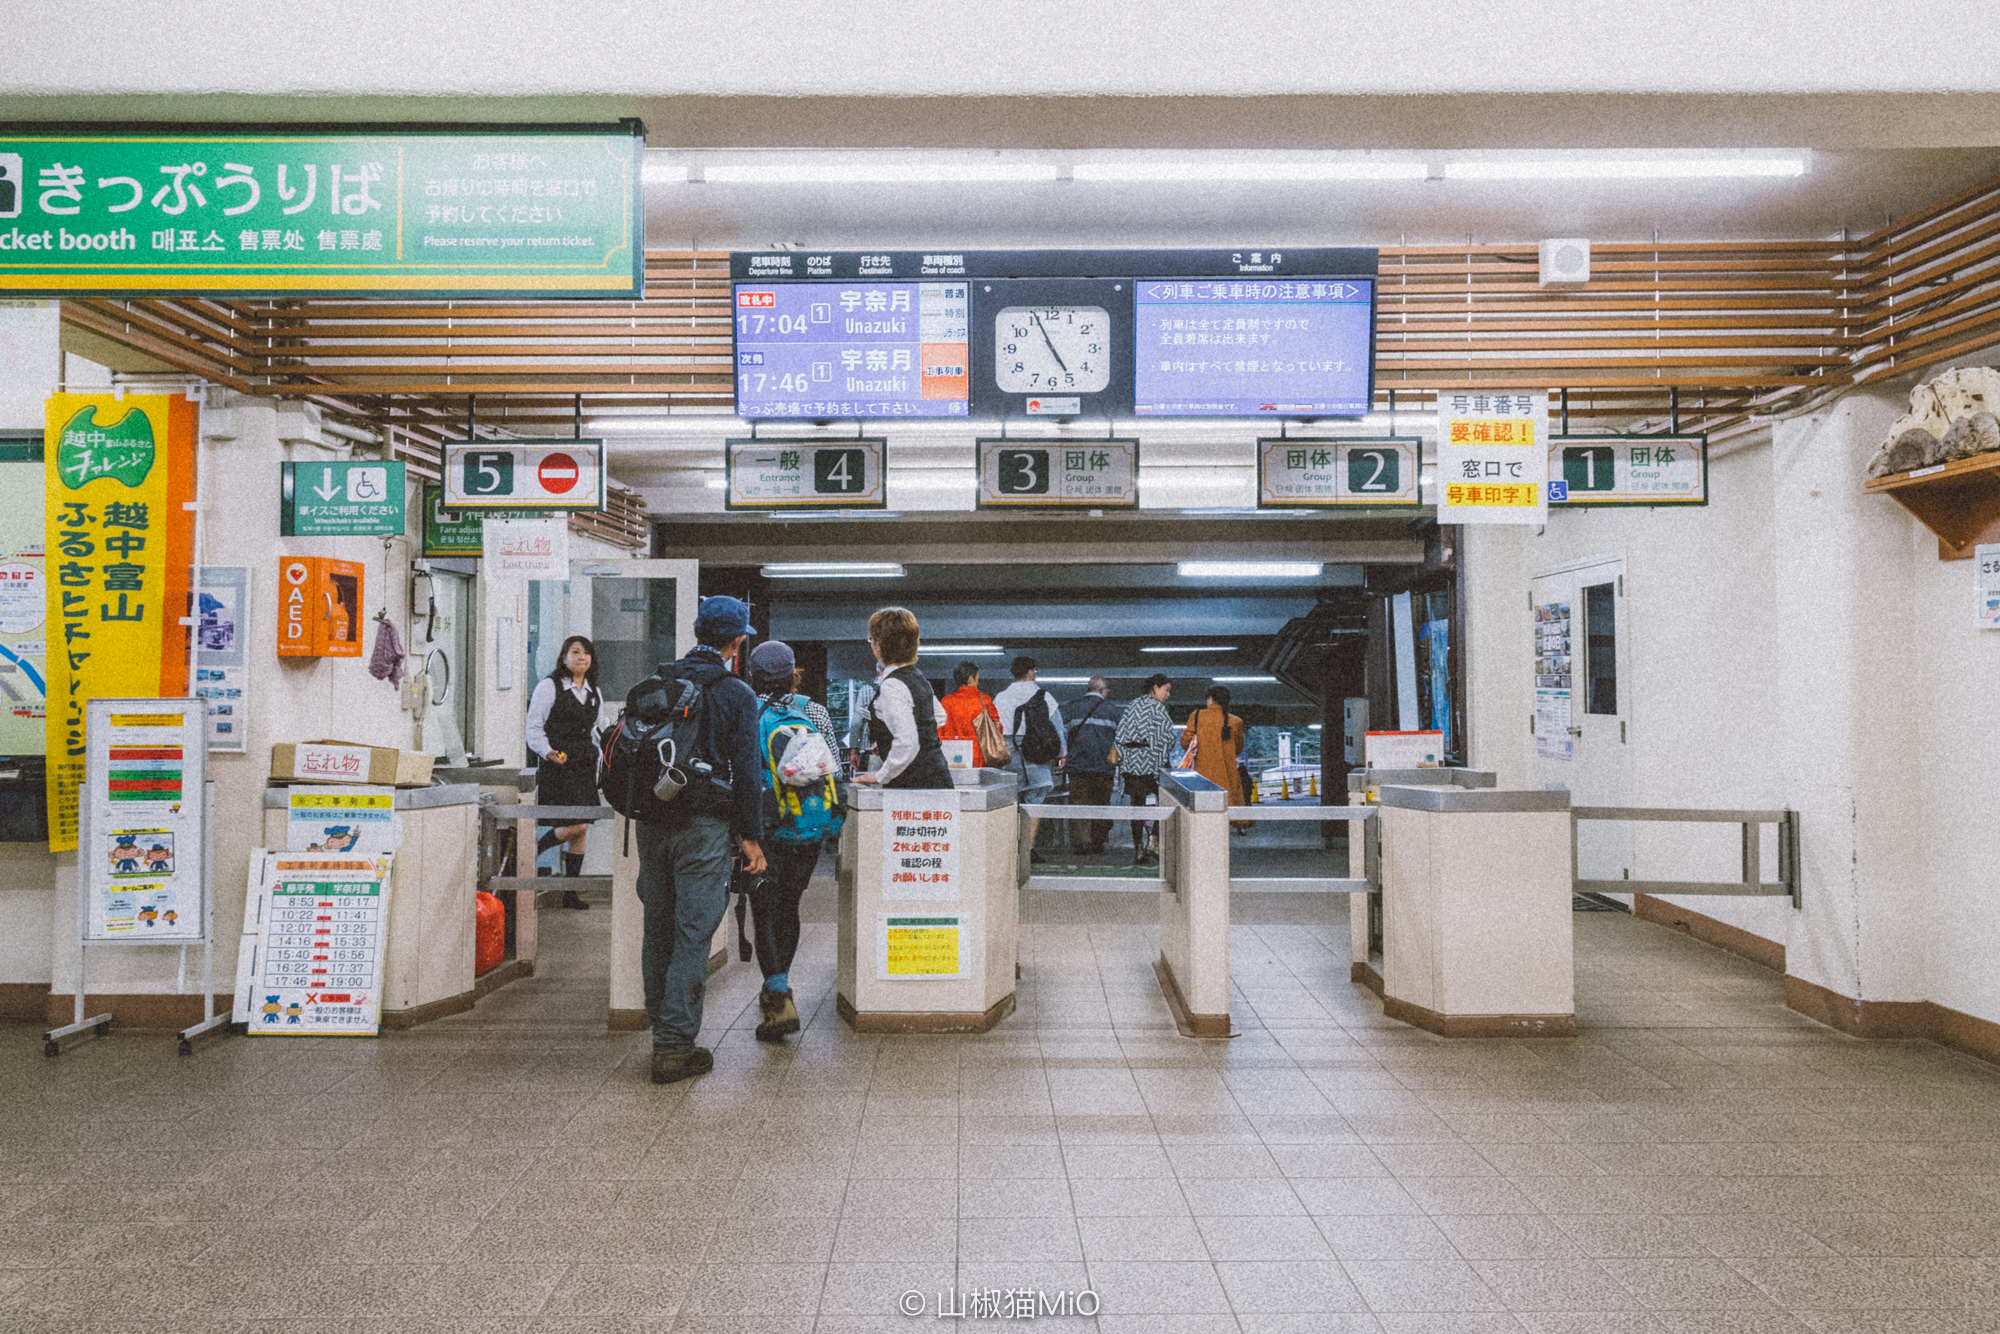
pixel 320 951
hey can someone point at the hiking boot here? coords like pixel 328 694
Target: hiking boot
pixel 781 1016
pixel 671 1067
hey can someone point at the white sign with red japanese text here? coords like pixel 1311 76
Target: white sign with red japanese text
pixel 526 548
pixel 1492 459
pixel 920 835
pixel 331 764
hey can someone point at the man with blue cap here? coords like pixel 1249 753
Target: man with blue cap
pixel 685 853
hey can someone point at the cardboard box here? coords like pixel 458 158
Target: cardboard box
pixel 349 762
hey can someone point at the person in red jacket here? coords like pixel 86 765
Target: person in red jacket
pixel 964 704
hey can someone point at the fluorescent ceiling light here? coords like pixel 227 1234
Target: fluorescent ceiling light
pixel 1192 648
pixel 1243 680
pixel 1061 680
pixel 837 569
pixel 1312 727
pixel 960 648
pixel 1623 169
pixel 1248 569
pixel 866 171
pixel 1250 171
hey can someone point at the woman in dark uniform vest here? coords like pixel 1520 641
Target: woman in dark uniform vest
pixel 562 729
pixel 904 715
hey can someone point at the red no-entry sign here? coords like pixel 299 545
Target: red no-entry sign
pixel 557 474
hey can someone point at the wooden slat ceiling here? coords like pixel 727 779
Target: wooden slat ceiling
pixel 1717 329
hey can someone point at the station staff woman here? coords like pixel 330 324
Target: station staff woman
pixel 904 715
pixel 562 729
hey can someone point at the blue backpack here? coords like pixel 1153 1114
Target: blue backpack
pixel 793 814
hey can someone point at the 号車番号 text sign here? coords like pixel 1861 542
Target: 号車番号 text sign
pixel 1492 467
pixel 920 844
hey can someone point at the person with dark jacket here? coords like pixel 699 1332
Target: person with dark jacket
pixel 1089 724
pixel 903 717
pixel 684 859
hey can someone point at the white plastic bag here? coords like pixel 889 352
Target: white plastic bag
pixel 807 760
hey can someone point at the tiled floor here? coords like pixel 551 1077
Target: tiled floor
pixel 1701 1159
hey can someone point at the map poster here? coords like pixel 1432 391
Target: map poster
pixel 317 969
pixel 1553 680
pixel 141 845
pixel 221 665
pixel 925 946
pixel 920 838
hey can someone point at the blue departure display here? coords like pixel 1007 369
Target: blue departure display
pixel 851 349
pixel 1292 347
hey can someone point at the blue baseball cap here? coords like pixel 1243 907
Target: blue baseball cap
pixel 722 617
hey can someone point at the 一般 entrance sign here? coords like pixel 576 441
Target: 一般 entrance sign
pixel 524 475
pixel 774 474
pixel 1628 470
pixel 1491 457
pixel 362 498
pixel 183 210
pixel 1301 473
pixel 1058 474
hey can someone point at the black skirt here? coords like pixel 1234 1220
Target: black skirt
pixel 571 784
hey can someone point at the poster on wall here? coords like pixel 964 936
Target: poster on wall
pixel 920 836
pixel 926 947
pixel 359 821
pixel 23 602
pixel 1492 467
pixel 120 538
pixel 1553 677
pixel 142 865
pixel 1986 575
pixel 318 961
pixel 221 661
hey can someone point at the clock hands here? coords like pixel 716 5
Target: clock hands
pixel 1051 342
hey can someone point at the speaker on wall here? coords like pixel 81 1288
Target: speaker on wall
pixel 1565 262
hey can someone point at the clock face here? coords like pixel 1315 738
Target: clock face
pixel 1052 349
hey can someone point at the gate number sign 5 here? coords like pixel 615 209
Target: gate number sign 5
pixel 489 474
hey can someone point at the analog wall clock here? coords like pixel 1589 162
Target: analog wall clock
pixel 1052 347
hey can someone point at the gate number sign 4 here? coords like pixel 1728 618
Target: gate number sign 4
pixel 838 472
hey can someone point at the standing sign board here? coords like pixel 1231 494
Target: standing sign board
pixel 530 211
pixel 142 849
pixel 775 474
pixel 221 658
pixel 120 542
pixel 1058 474
pixel 317 969
pixel 1491 462
pixel 920 837
pixel 535 475
pixel 1294 473
pixel 1628 470
pixel 362 498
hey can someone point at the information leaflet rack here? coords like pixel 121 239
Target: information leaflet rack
pixel 143 851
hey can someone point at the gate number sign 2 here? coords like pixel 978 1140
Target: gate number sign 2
pixel 1374 470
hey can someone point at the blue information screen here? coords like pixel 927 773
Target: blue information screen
pixel 851 349
pixel 1246 348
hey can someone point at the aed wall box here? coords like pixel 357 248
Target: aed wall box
pixel 319 607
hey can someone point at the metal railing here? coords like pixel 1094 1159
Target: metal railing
pixel 1132 884
pixel 1752 884
pixel 1370 879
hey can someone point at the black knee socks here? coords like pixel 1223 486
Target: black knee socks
pixel 572 863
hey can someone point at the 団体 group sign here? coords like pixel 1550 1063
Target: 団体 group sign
pixel 528 211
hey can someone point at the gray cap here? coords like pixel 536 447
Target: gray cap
pixel 772 658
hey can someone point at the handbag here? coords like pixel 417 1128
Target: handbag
pixel 993 745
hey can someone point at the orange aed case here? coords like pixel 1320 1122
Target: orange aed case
pixel 319 607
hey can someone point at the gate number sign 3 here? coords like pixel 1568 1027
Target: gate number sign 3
pixel 1024 472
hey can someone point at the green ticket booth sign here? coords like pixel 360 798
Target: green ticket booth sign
pixel 517 211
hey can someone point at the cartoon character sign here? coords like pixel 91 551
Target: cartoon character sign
pixel 148 914
pixel 125 854
pixel 271 1009
pixel 159 859
pixel 292 1013
pixel 337 838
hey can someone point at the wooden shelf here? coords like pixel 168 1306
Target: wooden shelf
pixel 1958 501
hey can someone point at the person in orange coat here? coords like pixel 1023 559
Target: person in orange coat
pixel 1216 735
pixel 962 705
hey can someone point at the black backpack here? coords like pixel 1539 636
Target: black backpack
pixel 665 720
pixel 1036 738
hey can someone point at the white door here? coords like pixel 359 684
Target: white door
pixel 1581 702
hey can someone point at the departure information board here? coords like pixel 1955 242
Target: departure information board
pixel 1103 334
pixel 1295 347
pixel 851 349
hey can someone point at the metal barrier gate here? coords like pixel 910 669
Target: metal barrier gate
pixel 1752 884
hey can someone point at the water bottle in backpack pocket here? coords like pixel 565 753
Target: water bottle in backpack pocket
pixel 801 798
pixel 656 755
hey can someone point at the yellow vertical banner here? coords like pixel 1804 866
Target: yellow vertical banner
pixel 119 538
